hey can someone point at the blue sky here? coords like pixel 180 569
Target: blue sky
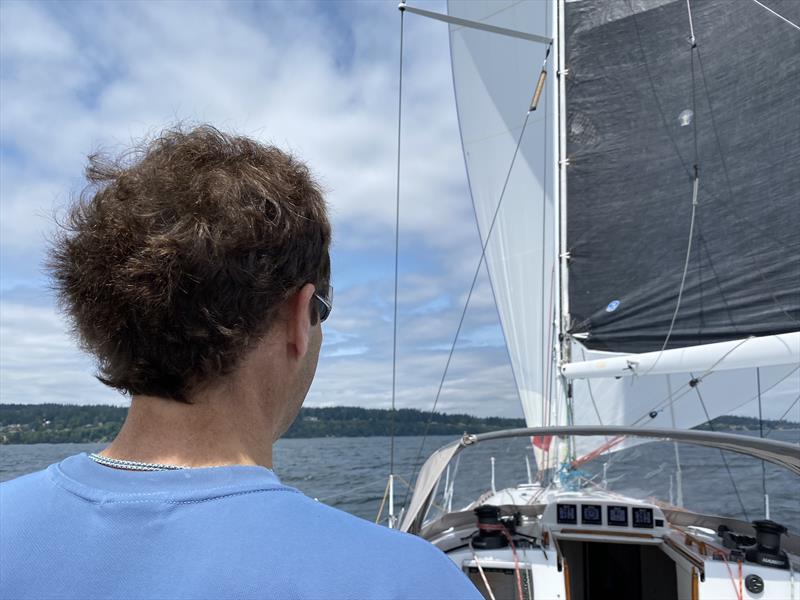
pixel 318 79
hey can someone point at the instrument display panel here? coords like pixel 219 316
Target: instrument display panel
pixel 642 517
pixel 567 514
pixel 591 514
pixel 617 516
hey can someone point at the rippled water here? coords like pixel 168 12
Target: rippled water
pixel 351 473
pixel 347 473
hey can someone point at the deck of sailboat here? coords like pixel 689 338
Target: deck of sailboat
pixel 659 560
pixel 557 537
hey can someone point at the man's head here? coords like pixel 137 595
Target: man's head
pixel 183 254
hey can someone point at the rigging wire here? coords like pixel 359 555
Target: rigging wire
pixel 672 398
pixel 722 454
pixel 469 297
pixel 668 132
pixel 481 260
pixel 669 399
pixel 546 350
pixel 731 203
pixel 783 416
pixel 591 394
pixel 781 17
pixel 691 25
pixel 724 205
pixel 695 186
pixel 616 441
pixel 396 255
pixel 761 435
pixel 683 277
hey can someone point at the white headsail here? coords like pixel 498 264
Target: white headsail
pixel 492 106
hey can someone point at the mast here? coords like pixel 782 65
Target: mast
pixel 561 214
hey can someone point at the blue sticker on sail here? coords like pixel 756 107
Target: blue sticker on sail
pixel 612 306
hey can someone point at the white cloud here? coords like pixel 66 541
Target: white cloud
pixel 39 361
pixel 319 80
pixel 125 70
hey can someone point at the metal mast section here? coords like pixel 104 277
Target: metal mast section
pixel 562 318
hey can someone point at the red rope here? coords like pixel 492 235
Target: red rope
pixel 502 528
pixel 723 554
pixel 737 589
pixel 741 592
pixel 597 451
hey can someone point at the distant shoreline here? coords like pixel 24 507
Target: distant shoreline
pixel 62 423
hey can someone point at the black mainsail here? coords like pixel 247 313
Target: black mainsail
pixel 647 110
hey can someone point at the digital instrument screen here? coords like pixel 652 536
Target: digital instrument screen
pixel 618 516
pixel 642 517
pixel 567 513
pixel 591 514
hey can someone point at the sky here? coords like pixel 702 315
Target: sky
pixel 317 79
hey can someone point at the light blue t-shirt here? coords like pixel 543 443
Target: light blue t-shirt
pixel 82 530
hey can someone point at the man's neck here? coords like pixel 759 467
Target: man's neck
pixel 233 421
pixel 209 432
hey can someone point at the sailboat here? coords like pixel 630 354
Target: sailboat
pixel 634 170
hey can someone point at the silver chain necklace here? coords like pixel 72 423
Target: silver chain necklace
pixel 133 465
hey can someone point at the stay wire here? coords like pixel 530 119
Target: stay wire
pixel 691 25
pixel 781 17
pixel 731 203
pixel 761 435
pixel 466 303
pixel 679 396
pixel 783 416
pixel 670 399
pixel 396 249
pixel 722 454
pixel 667 128
pixel 695 190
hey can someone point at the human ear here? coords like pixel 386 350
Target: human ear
pixel 299 321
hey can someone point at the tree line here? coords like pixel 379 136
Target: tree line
pixel 59 423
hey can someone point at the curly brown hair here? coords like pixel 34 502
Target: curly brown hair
pixel 176 256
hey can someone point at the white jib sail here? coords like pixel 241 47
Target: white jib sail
pixel 494 79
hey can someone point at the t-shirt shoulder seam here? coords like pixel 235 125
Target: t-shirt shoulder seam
pixel 242 493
